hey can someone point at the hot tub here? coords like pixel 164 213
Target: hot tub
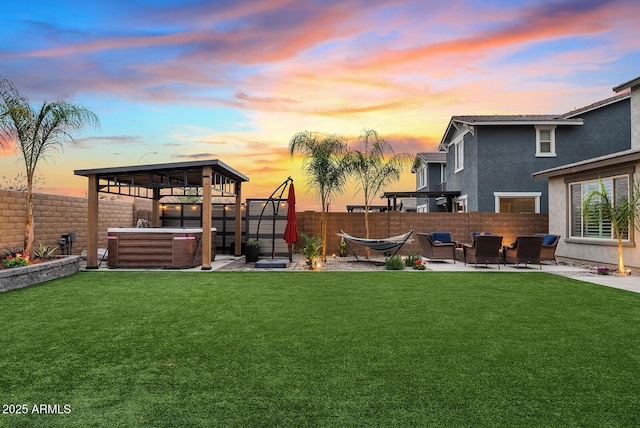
pixel 156 247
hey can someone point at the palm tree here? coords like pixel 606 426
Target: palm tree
pixel 621 207
pixel 323 163
pixel 37 133
pixel 375 165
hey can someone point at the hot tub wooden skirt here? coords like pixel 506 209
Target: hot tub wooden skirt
pixel 156 248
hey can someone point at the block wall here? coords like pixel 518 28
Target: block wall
pixel 56 215
pixel 387 224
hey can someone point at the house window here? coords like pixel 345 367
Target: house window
pixel 545 141
pixel 517 202
pixel 580 227
pixel 422 178
pixel 458 148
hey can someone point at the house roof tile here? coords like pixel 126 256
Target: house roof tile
pixel 596 105
pixel 433 156
pixel 476 119
pixel 428 157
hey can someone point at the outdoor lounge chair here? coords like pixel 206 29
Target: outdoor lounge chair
pixel 380 245
pixel 525 250
pixel 485 249
pixel 549 247
pixel 433 249
pixel 474 234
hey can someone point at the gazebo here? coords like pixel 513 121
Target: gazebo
pixel 201 178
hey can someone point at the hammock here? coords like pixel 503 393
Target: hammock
pixel 380 245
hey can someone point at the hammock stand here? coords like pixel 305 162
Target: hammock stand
pixel 380 245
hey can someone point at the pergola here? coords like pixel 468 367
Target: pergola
pixel 449 195
pixel 198 178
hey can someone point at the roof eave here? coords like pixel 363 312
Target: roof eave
pixel 612 159
pixel 443 146
pixel 163 167
pixel 630 84
pixel 524 122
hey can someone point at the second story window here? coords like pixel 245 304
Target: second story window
pixel 458 148
pixel 545 141
pixel 422 177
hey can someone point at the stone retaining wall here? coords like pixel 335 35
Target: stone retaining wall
pixel 11 279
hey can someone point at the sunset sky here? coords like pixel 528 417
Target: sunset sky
pixel 235 80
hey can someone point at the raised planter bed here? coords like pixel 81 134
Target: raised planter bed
pixel 11 279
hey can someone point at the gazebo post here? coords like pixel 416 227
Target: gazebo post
pixel 206 217
pixel 92 223
pixel 237 251
pixel 155 209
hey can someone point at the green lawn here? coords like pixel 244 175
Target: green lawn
pixel 185 349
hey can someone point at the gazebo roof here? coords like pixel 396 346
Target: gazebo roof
pixel 139 180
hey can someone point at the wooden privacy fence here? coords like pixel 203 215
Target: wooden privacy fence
pixel 56 215
pixel 386 224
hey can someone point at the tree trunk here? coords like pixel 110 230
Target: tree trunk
pixel 29 226
pixel 621 268
pixel 323 230
pixel 367 252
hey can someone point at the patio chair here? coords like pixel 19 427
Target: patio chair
pixel 485 249
pixel 525 250
pixel 444 237
pixel 549 245
pixel 433 249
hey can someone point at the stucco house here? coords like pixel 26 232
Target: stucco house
pixel 491 159
pixel 568 184
pixel 429 168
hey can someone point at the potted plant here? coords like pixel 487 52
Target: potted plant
pixel 253 250
pixel 343 248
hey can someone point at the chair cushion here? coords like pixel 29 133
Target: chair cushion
pixel 548 239
pixel 444 237
pixel 480 233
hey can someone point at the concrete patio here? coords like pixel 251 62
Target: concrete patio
pixel 225 262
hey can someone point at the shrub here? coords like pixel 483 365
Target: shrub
pixel 13 252
pixel 411 259
pixel 394 263
pixel 343 247
pixel 16 261
pixel 312 250
pixel 45 252
pixel 419 265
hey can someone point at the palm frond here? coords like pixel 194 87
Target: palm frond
pixel 374 164
pixel 38 134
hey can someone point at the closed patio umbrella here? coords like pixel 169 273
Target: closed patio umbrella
pixel 291 231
